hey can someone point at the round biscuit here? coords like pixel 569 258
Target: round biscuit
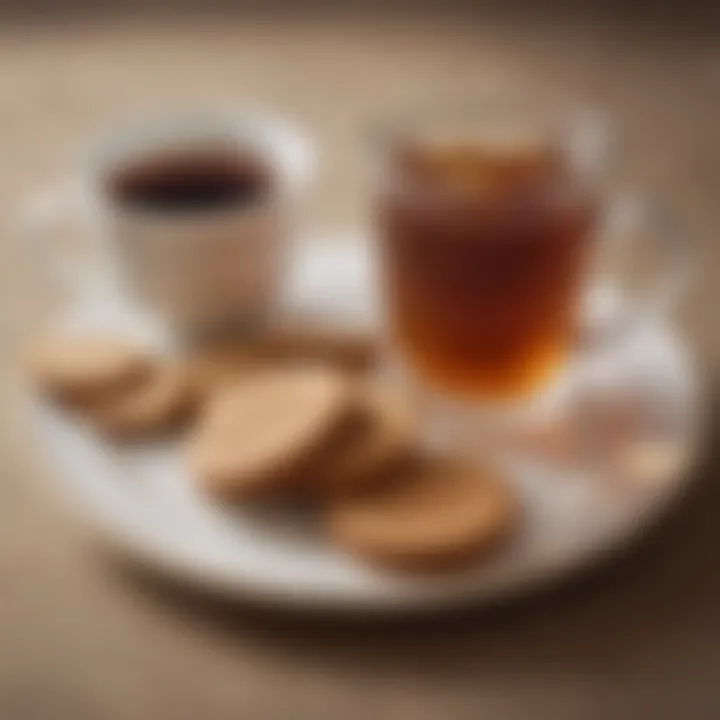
pixel 212 367
pixel 161 402
pixel 380 435
pixel 254 434
pixel 435 514
pixel 83 369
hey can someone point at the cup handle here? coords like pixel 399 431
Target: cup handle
pixel 59 211
pixel 631 221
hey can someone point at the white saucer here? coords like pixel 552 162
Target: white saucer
pixel 143 502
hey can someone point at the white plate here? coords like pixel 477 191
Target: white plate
pixel 143 501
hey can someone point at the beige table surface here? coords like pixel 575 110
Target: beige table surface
pixel 80 639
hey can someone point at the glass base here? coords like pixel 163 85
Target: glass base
pixel 475 428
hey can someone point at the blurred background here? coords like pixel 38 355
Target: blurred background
pixel 71 68
pixel 79 640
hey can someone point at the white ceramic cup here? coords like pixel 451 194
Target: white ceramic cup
pixel 200 270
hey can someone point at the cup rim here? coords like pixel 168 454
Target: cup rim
pixel 279 141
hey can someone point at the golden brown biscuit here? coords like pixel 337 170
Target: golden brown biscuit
pixel 219 365
pixel 435 514
pixel 161 402
pixel 256 433
pixel 351 350
pixel 82 369
pixel 381 433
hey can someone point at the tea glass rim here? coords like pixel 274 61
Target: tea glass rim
pixel 581 130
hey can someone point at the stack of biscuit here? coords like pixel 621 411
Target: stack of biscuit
pixel 297 411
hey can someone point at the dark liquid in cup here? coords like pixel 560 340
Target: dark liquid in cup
pixel 192 181
pixel 483 253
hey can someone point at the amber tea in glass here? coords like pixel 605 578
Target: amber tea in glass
pixel 483 243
